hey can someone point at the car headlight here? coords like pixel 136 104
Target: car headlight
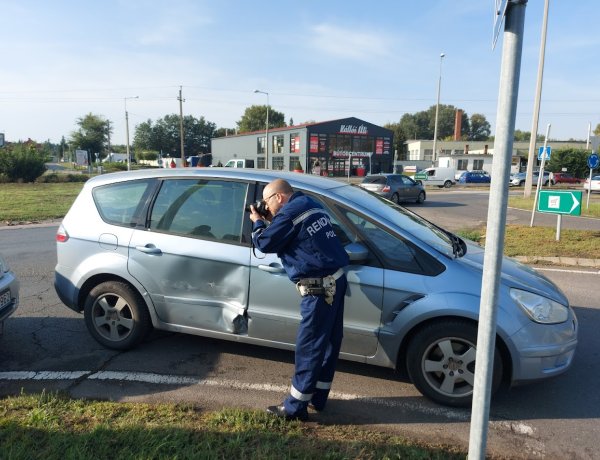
pixel 540 309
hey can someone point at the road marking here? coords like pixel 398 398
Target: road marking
pixel 462 415
pixel 565 270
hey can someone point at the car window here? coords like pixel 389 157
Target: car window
pixel 374 180
pixel 120 202
pixel 407 180
pixel 200 208
pixel 396 252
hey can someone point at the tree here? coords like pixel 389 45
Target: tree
pixel 222 132
pixel 574 160
pixel 164 135
pixel 480 128
pixel 255 117
pixel 92 134
pixel 597 130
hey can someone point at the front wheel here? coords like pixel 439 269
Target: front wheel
pixel 441 362
pixel 116 315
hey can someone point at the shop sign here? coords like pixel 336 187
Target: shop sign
pixel 353 129
pixel 347 153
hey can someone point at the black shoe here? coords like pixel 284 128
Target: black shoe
pixel 280 411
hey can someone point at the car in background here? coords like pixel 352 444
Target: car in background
pixel 475 177
pixel 594 185
pixel 519 178
pixel 171 249
pixel 9 292
pixel 395 187
pixel 564 178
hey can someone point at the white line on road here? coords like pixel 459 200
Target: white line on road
pixel 161 379
pixel 566 270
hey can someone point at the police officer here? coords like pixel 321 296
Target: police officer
pixel 302 236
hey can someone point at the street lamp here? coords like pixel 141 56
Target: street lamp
pixel 437 109
pixel 127 130
pixel 266 130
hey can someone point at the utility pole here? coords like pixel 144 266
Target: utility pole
pixel 536 106
pixel 181 100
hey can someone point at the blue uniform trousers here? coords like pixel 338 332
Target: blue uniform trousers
pixel 318 344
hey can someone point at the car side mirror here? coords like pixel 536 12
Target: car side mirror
pixel 356 252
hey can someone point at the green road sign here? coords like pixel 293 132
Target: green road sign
pixel 421 176
pixel 560 202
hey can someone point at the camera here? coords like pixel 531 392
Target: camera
pixel 260 206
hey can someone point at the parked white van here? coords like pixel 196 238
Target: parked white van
pixel 240 163
pixel 442 177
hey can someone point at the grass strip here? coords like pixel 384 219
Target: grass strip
pixel 52 426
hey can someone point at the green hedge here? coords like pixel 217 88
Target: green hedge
pixel 21 163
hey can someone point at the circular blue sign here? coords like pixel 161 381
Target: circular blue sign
pixel 593 161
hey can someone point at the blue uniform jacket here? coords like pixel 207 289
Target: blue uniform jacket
pixel 302 236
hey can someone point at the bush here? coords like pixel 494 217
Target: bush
pixel 61 178
pixel 22 163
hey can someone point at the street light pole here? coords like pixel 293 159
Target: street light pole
pixel 437 109
pixel 127 130
pixel 266 130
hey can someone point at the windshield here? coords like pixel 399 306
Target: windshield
pixel 401 217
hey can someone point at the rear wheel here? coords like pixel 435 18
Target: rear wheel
pixel 441 362
pixel 448 184
pixel 421 197
pixel 116 315
pixel 395 198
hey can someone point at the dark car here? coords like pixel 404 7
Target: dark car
pixel 474 177
pixel 565 178
pixel 396 187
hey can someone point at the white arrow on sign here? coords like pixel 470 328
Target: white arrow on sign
pixel 575 203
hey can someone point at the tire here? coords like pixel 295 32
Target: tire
pixel 441 362
pixel 447 184
pixel 521 183
pixel 116 316
pixel 421 197
pixel 395 198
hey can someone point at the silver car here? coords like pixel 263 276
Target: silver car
pixel 9 292
pixel 171 249
pixel 395 187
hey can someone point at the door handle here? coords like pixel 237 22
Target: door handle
pixel 149 249
pixel 273 268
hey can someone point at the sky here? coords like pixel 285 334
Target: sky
pixel 318 60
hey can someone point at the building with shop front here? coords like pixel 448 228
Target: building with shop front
pixel 329 148
pixel 472 155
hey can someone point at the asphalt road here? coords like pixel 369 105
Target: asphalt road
pixel 46 345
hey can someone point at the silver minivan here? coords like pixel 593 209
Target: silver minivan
pixel 171 250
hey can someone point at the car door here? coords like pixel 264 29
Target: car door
pixel 192 258
pixel 410 188
pixel 274 308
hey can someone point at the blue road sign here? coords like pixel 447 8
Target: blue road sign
pixel 548 152
pixel 593 161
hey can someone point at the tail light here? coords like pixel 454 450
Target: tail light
pixel 61 235
pixel 386 188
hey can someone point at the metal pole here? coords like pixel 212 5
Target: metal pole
pixel 540 176
pixel 589 133
pixel 437 109
pixel 536 105
pixel 267 136
pixel 127 131
pixel 180 98
pixel 558 225
pixel 266 129
pixel 505 127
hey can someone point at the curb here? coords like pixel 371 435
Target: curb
pixel 564 261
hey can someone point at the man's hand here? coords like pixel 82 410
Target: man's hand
pixel 254 216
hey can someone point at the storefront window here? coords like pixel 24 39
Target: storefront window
pixel 278 163
pixel 294 162
pixel 260 145
pixel 278 144
pixel 294 143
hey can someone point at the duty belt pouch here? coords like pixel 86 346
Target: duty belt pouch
pixel 317 286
